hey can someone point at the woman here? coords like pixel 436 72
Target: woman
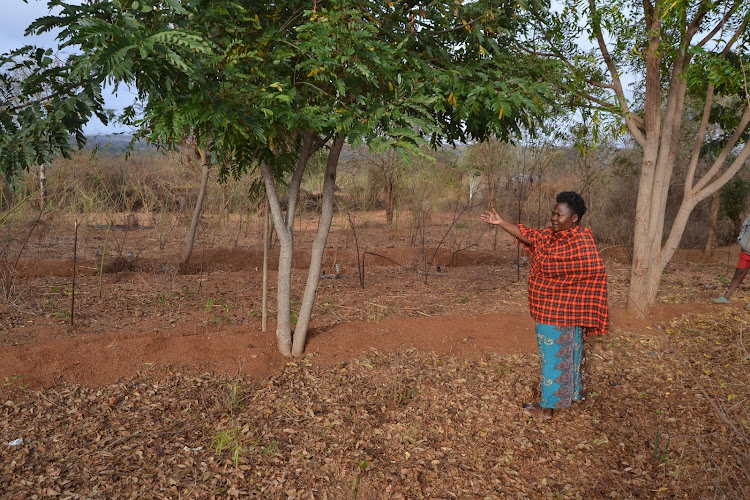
pixel 567 296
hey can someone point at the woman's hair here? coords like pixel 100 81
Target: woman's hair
pixel 574 201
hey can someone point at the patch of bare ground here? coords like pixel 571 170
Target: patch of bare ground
pixel 165 386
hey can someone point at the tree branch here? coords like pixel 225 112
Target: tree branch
pixel 716 167
pixel 440 32
pixel 726 176
pixel 62 92
pixel 648 11
pixel 734 38
pixel 309 141
pixel 565 60
pixel 692 28
pixel 720 24
pixel 695 155
pixel 638 135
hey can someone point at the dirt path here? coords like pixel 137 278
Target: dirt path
pixel 104 358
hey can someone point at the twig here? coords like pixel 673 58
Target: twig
pixel 101 264
pixel 447 231
pixel 346 404
pixel 360 266
pixel 348 307
pixel 28 236
pixel 148 433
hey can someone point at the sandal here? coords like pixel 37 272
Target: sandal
pixel 535 409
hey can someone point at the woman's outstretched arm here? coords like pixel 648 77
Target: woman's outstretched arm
pixel 492 217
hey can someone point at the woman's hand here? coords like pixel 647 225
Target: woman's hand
pixel 491 217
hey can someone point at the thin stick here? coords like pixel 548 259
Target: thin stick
pixel 264 307
pixel 447 232
pixel 360 266
pixel 101 264
pixel 73 289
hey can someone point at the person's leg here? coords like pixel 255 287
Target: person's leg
pixel 739 275
pixel 743 266
pixel 546 343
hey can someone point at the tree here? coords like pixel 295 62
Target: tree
pixel 390 75
pixel 671 48
pixel 384 171
pixel 267 84
pixel 42 103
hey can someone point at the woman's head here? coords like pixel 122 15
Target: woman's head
pixel 568 211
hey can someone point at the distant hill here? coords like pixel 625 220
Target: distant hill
pixel 115 143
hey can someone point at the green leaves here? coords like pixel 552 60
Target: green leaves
pixel 42 104
pixel 239 74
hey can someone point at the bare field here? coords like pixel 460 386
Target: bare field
pixel 165 386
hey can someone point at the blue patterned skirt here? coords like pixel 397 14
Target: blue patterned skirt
pixel 561 353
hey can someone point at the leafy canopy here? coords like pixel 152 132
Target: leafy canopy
pixel 247 78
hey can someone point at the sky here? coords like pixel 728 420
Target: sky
pixel 16 17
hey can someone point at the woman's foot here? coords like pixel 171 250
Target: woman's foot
pixel 722 300
pixel 535 409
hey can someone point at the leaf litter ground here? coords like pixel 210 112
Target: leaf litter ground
pixel 408 424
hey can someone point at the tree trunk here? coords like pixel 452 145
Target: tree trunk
pixel 286 251
pixel 712 226
pixel 657 133
pixel 390 198
pixel 284 223
pixel 639 292
pixel 389 185
pixel 650 256
pixel 316 257
pixel 190 242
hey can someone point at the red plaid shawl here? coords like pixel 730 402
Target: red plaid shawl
pixel 567 279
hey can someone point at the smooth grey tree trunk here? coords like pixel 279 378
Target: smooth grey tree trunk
pixel 645 279
pixel 284 224
pixel 318 249
pixel 190 242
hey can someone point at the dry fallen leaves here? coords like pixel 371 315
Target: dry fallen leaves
pixel 403 425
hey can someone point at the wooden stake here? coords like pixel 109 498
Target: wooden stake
pixel 266 224
pixel 73 288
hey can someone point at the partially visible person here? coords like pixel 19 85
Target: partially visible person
pixel 743 265
pixel 567 297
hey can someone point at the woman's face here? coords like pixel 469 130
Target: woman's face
pixel 562 217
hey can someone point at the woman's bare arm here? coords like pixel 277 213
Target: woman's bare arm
pixel 492 217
